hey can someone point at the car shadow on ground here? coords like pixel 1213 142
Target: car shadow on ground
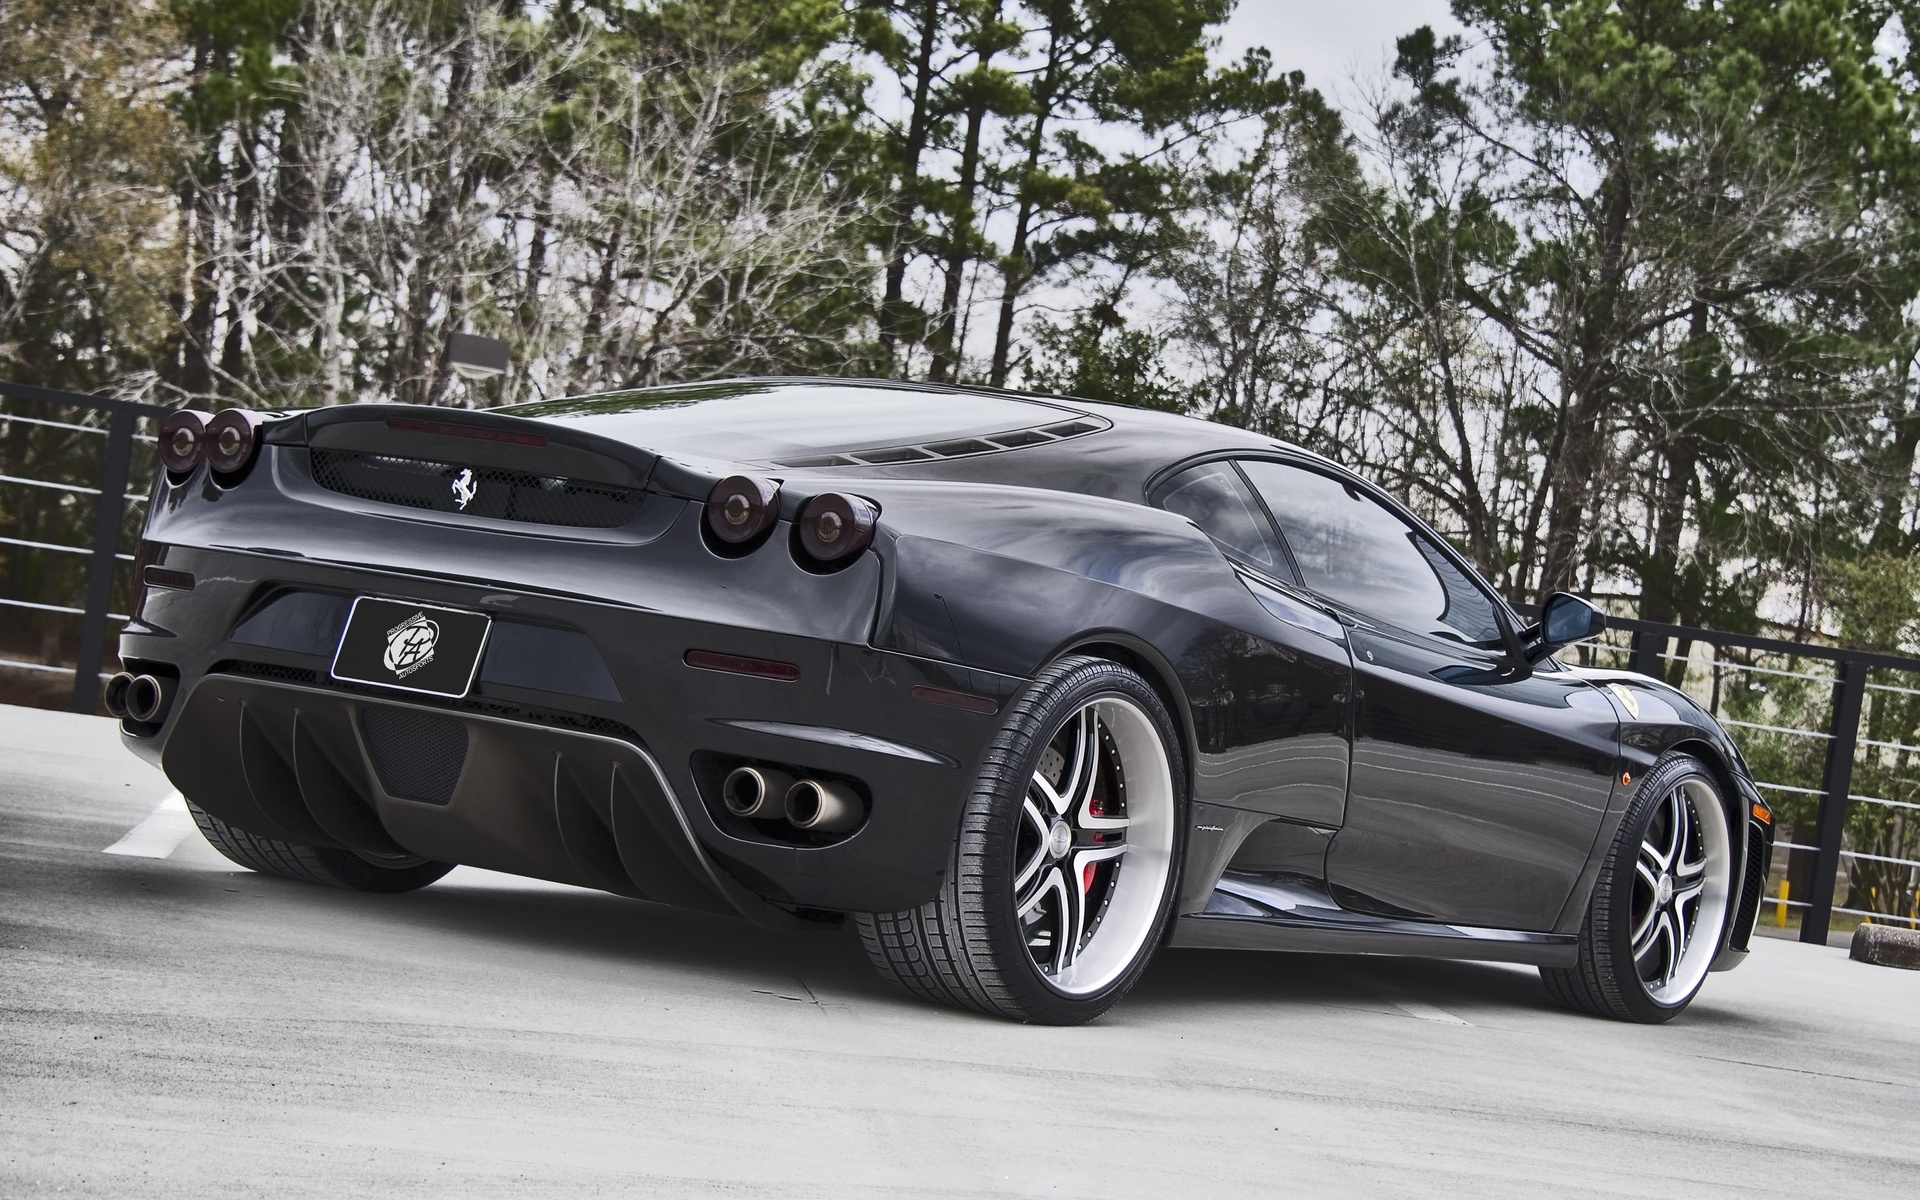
pixel 1238 977
pixel 620 932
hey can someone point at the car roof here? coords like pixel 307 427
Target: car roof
pixel 895 429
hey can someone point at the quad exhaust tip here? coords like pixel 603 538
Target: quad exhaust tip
pixel 819 805
pixel 116 694
pixel 764 794
pixel 140 698
pixel 756 792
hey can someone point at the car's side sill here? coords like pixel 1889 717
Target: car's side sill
pixel 1252 913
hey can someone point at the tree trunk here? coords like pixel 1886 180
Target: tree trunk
pixel 905 202
pixel 946 355
pixel 1015 270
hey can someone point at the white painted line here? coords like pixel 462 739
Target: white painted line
pixel 1421 1009
pixel 160 834
pixel 1399 998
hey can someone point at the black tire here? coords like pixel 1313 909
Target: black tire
pixel 968 947
pixel 1608 980
pixel 323 865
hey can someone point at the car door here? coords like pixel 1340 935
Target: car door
pixel 1478 783
pixel 1271 719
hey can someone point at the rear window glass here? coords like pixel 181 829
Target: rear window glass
pixel 1215 498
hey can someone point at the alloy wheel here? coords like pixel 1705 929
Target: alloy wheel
pixel 1094 846
pixel 1680 891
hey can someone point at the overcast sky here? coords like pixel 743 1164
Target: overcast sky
pixel 1330 40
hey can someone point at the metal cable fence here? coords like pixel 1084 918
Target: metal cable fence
pixel 73 492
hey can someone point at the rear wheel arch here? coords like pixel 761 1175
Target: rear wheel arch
pixel 1139 656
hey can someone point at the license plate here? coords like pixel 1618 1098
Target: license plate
pixel 413 647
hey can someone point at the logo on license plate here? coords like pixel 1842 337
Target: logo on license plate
pixel 410 645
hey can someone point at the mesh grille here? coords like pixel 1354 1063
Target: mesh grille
pixel 265 671
pixel 1750 890
pixel 418 755
pixel 490 492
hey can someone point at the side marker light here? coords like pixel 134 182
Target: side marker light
pixel 952 699
pixel 734 664
pixel 1762 814
pixel 1626 779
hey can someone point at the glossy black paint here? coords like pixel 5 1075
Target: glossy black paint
pixel 1478 785
pixel 1418 791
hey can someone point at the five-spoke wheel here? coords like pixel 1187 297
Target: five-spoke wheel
pixel 1661 903
pixel 1063 873
pixel 1095 845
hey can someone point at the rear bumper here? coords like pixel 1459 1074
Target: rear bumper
pixel 615 789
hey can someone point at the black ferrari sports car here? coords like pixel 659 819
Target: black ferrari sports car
pixel 1023 687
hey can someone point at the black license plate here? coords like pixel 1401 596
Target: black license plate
pixel 415 647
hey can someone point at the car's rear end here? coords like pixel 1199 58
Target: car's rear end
pixel 516 644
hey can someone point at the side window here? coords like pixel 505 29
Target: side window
pixel 1214 497
pixel 1358 553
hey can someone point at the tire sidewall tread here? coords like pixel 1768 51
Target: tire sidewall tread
pixel 1603 980
pixel 964 948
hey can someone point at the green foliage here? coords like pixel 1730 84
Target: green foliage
pixel 1617 291
pixel 1095 358
pixel 89 236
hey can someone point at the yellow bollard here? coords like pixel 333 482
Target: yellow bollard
pixel 1780 909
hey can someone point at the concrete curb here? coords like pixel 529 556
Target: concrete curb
pixel 1886 946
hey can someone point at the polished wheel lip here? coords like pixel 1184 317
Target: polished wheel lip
pixel 1682 882
pixel 1093 880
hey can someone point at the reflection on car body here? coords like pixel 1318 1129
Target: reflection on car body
pixel 1024 687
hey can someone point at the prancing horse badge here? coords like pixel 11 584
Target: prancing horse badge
pixel 464 489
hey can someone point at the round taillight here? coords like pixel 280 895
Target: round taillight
pixel 835 527
pixel 741 508
pixel 232 438
pixel 183 441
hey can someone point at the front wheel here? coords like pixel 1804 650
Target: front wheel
pixel 1063 874
pixel 1661 903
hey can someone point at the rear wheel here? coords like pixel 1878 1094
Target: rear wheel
pixel 1660 906
pixel 351 870
pixel 1063 873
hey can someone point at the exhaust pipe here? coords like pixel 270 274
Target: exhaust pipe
pixel 826 807
pixel 116 694
pixel 756 792
pixel 146 698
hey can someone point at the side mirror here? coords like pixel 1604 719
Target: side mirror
pixel 1563 621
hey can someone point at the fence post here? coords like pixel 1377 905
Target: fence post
pixel 1645 653
pixel 115 468
pixel 1849 688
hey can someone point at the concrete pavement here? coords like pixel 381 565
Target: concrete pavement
pixel 178 1027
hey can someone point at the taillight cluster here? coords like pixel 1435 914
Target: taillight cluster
pixel 227 443
pixel 830 531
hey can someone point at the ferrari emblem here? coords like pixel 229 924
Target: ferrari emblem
pixel 410 645
pixel 1625 695
pixel 464 489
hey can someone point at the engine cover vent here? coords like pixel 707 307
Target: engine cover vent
pixel 475 491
